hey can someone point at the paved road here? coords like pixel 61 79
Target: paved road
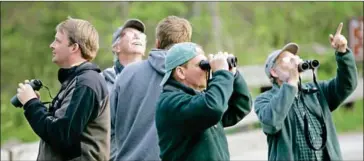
pixel 252 146
pixel 249 145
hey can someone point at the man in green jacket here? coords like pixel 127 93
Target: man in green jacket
pixel 297 117
pixel 190 120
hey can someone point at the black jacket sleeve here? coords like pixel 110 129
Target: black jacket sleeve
pixel 63 133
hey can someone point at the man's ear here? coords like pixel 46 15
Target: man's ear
pixel 116 48
pixel 273 73
pixel 180 73
pixel 157 43
pixel 75 47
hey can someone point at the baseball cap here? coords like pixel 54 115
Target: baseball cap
pixel 130 23
pixel 177 55
pixel 291 47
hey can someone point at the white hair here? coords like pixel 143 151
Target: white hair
pixel 112 46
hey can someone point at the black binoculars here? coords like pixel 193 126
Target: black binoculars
pixel 232 61
pixel 308 64
pixel 36 84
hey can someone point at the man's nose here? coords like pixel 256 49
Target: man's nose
pixel 298 60
pixel 51 45
pixel 136 36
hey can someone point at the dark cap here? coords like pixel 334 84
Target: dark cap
pixel 131 23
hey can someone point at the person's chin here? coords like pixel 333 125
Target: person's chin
pixel 54 60
pixel 201 88
pixel 140 49
pixel 139 52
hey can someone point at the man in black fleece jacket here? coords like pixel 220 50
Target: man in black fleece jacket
pixel 77 124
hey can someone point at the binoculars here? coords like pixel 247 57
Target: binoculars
pixel 308 64
pixel 36 84
pixel 232 61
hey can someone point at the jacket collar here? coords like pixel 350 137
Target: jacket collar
pixel 173 85
pixel 118 67
pixel 69 73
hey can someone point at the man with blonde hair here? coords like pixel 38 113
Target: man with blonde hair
pixel 77 124
pixel 136 91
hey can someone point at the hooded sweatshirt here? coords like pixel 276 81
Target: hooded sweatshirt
pixel 134 101
pixel 109 75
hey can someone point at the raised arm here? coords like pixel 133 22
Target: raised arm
pixel 339 88
pixel 199 112
pixel 240 102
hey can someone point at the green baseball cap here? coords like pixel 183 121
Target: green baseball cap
pixel 269 63
pixel 177 55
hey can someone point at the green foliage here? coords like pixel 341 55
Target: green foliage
pixel 13 124
pixel 250 30
pixel 348 120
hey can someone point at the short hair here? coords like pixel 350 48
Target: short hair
pixel 83 33
pixel 172 30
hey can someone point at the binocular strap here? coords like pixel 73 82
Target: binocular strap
pixel 320 119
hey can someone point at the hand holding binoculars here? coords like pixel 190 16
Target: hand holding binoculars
pixel 232 61
pixel 36 84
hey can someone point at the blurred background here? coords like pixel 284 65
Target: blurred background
pixel 250 30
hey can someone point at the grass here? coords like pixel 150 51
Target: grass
pixel 14 126
pixel 349 120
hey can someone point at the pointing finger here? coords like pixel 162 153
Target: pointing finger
pixel 338 31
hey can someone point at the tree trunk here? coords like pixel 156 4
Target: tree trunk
pixel 196 9
pixel 124 10
pixel 216 25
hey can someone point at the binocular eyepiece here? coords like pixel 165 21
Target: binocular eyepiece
pixel 232 61
pixel 308 64
pixel 36 84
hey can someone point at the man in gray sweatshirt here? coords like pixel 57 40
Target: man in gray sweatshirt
pixel 128 46
pixel 136 91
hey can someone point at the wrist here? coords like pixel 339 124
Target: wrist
pixel 293 82
pixel 218 69
pixel 29 102
pixel 341 50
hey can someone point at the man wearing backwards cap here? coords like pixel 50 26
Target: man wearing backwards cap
pixel 190 121
pixel 128 46
pixel 297 118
